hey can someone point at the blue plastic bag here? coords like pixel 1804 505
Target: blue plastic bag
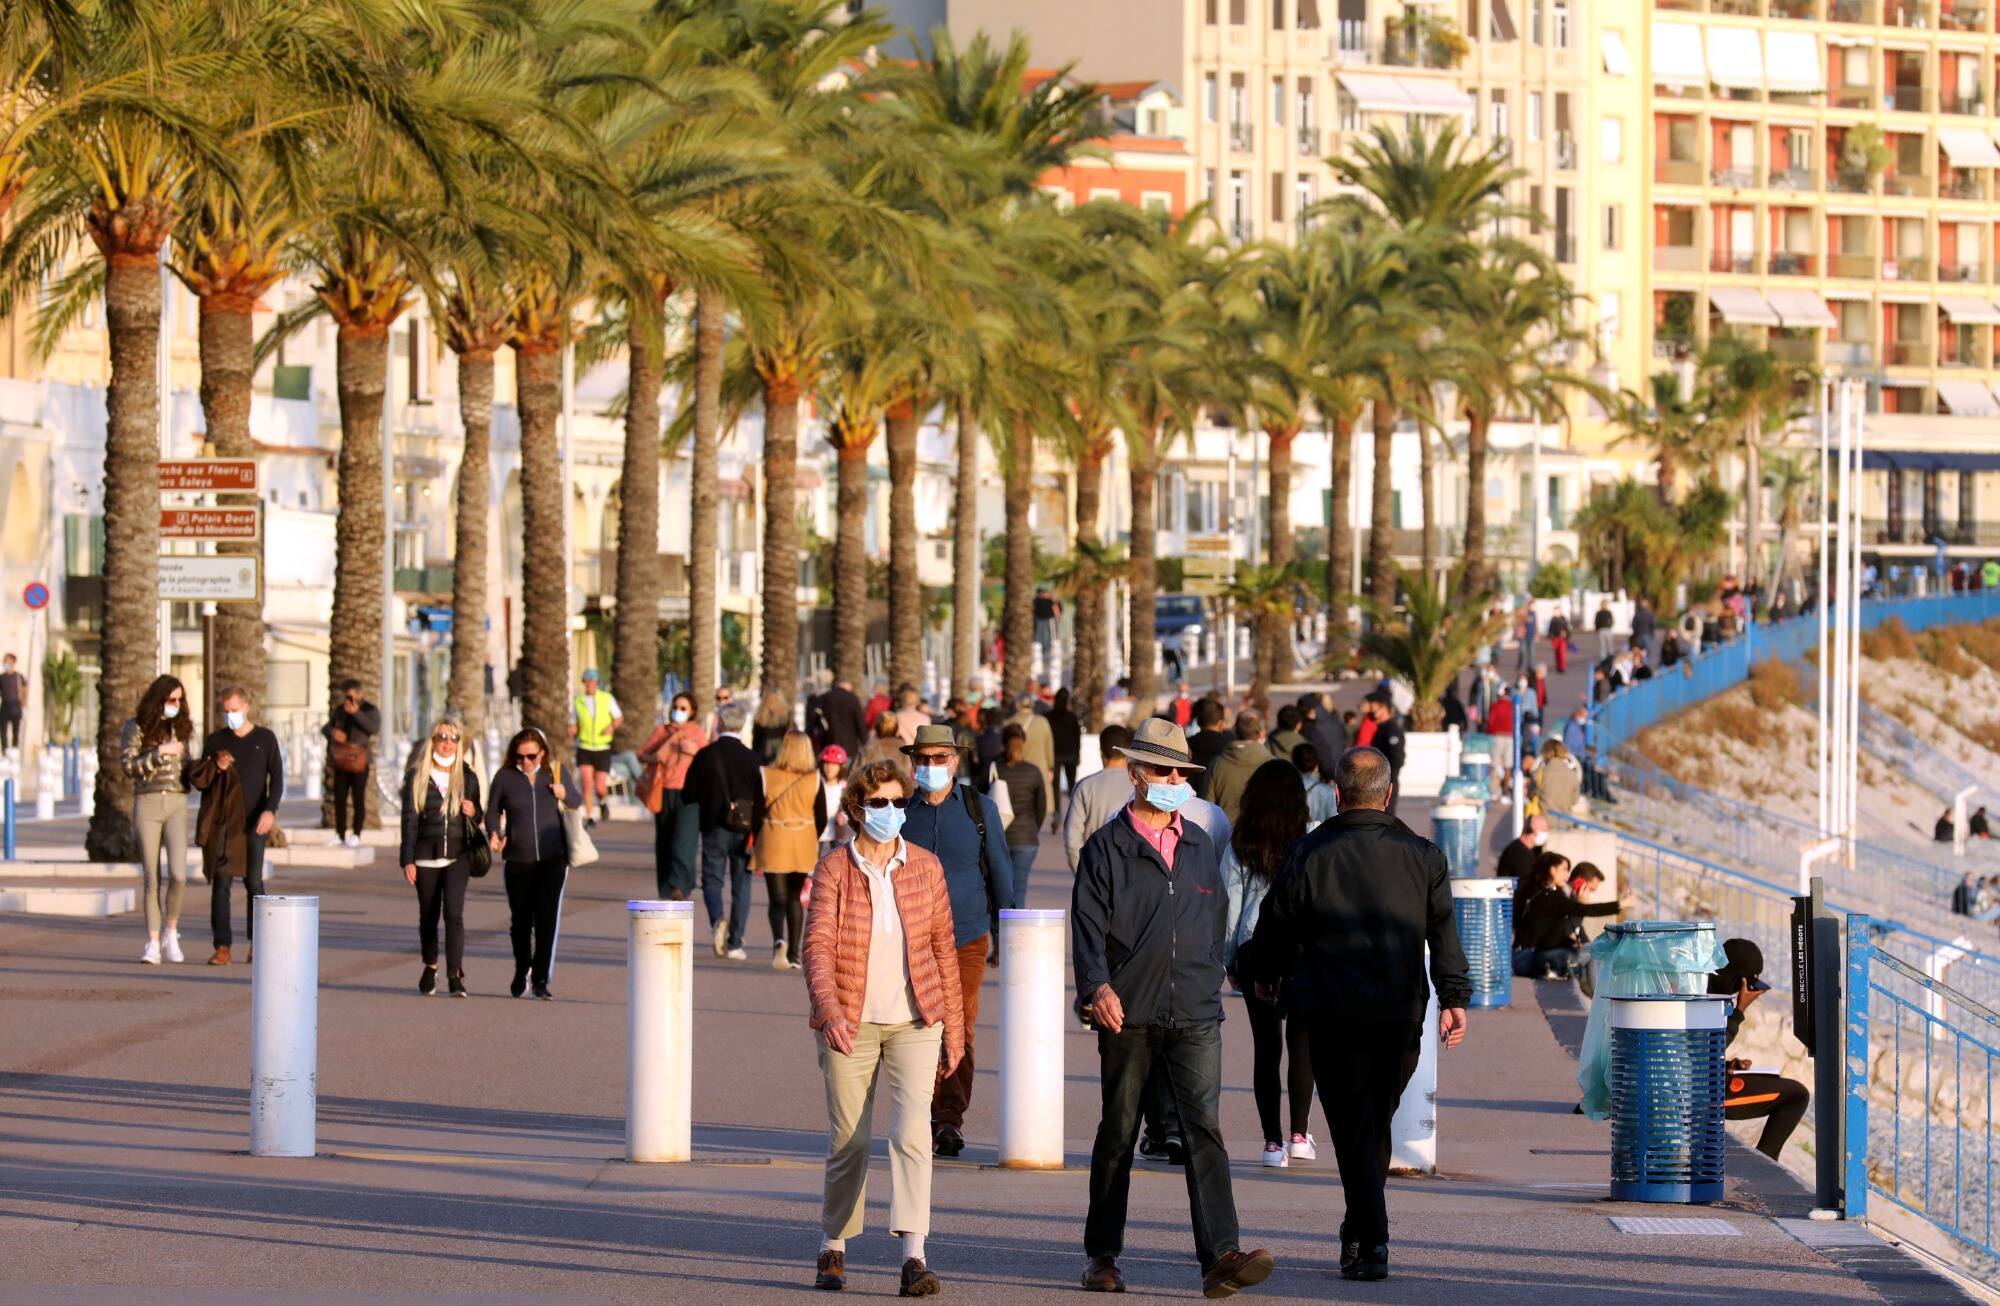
pixel 1633 959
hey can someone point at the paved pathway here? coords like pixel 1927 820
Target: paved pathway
pixel 470 1150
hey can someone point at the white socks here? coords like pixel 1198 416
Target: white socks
pixel 913 1247
pixel 833 1245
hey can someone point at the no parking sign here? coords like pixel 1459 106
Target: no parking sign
pixel 36 595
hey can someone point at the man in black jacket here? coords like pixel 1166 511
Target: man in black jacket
pixel 1344 928
pixel 1147 918
pixel 354 720
pixel 1388 739
pixel 841 712
pixel 723 774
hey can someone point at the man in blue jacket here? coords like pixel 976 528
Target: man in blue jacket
pixel 962 829
pixel 1147 919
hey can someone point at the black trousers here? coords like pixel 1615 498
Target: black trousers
pixel 1063 779
pixel 534 906
pixel 1273 1037
pixel 253 887
pixel 1190 1056
pixel 350 786
pixel 784 910
pixel 10 725
pixel 441 891
pixel 1780 1103
pixel 1362 1068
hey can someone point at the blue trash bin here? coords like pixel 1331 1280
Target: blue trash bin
pixel 1477 767
pixel 1455 829
pixel 1668 1079
pixel 1484 910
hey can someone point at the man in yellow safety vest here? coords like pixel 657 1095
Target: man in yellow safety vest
pixel 593 718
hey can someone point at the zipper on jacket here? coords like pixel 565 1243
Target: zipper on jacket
pixel 535 818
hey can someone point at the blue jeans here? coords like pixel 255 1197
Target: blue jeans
pixel 1533 963
pixel 1024 858
pixel 726 853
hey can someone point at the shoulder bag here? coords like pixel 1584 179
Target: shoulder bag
pixel 739 815
pixel 478 853
pixel 582 848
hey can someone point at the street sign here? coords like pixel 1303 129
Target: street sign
pixel 1210 544
pixel 210 578
pixel 208 523
pixel 36 595
pixel 208 475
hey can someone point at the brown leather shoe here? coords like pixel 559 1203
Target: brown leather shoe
pixel 1102 1275
pixel 248 953
pixel 832 1271
pixel 220 957
pixel 919 1281
pixel 1236 1270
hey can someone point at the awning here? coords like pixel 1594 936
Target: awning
pixel 1844 41
pixel 1381 93
pixel 1802 308
pixel 1743 306
pixel 1792 62
pixel 1430 96
pixel 1840 296
pixel 1677 57
pixel 1735 59
pixel 1898 460
pixel 1617 61
pixel 1968 147
pixel 1968 399
pixel 1904 297
pixel 1965 310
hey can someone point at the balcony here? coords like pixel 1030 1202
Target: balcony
pixel 423 580
pixel 1850 353
pixel 1565 248
pixel 1740 264
pixel 1964 353
pixel 1741 8
pixel 1793 349
pixel 1308 142
pixel 1565 151
pixel 1851 11
pixel 1901 353
pixel 1242 137
pixel 1733 178
pixel 1968 184
pixel 1973 103
pixel 1677 172
pixel 1791 263
pixel 1793 179
pixel 1904 99
pixel 1912 267
pixel 1791 8
pixel 1858 267
pixel 1676 258
pixel 1906 184
pixel 1960 16
pixel 1961 272
pixel 1908 13
pixel 1845 182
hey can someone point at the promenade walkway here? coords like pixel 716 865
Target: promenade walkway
pixel 469 1151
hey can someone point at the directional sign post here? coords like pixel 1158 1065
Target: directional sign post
pixel 210 523
pixel 208 476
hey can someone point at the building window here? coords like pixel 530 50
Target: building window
pixel 1534 115
pixel 1609 311
pixel 1305 193
pixel 1239 205
pixel 1209 97
pixel 1278 101
pixel 1277 15
pixel 1239 101
pixel 1208 11
pixel 1277 197
pixel 1306 119
pixel 1208 185
pixel 1350 112
pixel 1496 116
pixel 1156 201
pixel 1105 193
pixel 1611 138
pixel 1156 122
pixel 1560 24
pixel 1535 21
pixel 1237 12
pixel 1614 221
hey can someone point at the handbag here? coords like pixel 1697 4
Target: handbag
pixel 739 815
pixel 349 757
pixel 478 853
pixel 582 848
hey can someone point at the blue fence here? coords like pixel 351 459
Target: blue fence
pixel 1894 742
pixel 1728 665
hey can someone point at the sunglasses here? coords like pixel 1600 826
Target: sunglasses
pixel 529 754
pixel 934 759
pixel 879 803
pixel 444 739
pixel 1164 772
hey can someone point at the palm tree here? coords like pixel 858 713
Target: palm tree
pixel 1789 475
pixel 474 321
pixel 1761 395
pixel 1680 427
pixel 1429 642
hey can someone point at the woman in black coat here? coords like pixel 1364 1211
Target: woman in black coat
pixel 441 821
pixel 525 827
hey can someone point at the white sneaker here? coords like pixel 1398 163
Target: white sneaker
pixel 737 954
pixel 353 839
pixel 1303 1148
pixel 170 946
pixel 722 938
pixel 1274 1156
pixel 151 956
pixel 778 961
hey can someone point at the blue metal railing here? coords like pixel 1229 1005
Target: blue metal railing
pixel 1894 742
pixel 1727 665
pixel 1919 1079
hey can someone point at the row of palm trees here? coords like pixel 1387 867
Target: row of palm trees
pixel 766 213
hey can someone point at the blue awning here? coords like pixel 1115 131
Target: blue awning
pixel 1899 460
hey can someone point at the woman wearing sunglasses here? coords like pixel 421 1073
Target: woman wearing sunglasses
pixel 440 817
pixel 881 969
pixel 524 825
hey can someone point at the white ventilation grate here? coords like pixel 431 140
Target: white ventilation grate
pixel 1681 1226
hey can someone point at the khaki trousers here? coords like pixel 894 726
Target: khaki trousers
pixel 908 1053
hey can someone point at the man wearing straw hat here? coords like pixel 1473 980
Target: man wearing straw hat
pixel 1147 919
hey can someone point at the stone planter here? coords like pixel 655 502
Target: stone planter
pixel 1430 758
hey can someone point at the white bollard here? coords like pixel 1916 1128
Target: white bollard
pixel 659 1080
pixel 47 781
pixel 315 780
pixel 1033 994
pixel 1413 1132
pixel 284 1026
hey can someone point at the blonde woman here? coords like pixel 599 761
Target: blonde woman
pixel 1558 779
pixel 790 816
pixel 769 726
pixel 440 821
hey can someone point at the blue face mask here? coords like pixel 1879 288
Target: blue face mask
pixel 1167 798
pixel 680 714
pixel 170 710
pixel 933 778
pixel 234 720
pixel 882 823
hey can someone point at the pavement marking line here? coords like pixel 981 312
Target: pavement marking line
pixel 1678 1225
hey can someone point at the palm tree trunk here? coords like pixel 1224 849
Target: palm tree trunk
pixel 704 623
pixel 965 559
pixel 467 689
pixel 780 669
pixel 1427 507
pixel 1753 510
pixel 635 651
pixel 1381 538
pixel 130 658
pixel 227 353
pixel 906 597
pixel 544 594
pixel 354 643
pixel 1339 525
pixel 1142 637
pixel 1472 579
pixel 1090 597
pixel 850 561
pixel 1017 613
pixel 1278 665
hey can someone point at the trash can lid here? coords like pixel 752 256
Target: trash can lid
pixel 1671 1011
pixel 1656 927
pixel 1454 812
pixel 1032 916
pixel 658 904
pixel 1483 887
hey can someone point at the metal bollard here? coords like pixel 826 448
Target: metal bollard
pixel 284 1026
pixel 659 1007
pixel 1032 998
pixel 7 837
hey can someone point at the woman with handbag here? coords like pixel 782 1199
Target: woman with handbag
pixel 525 826
pixel 666 755
pixel 442 848
pixel 790 817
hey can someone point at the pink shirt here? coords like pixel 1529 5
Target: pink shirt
pixel 1164 841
